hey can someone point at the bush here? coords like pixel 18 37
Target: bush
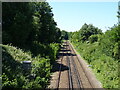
pixel 55 48
pixel 109 42
pixel 13 75
pixel 93 38
pixel 105 67
pixel 116 51
pixel 49 50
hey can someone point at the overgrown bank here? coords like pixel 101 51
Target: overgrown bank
pixel 102 52
pixel 14 75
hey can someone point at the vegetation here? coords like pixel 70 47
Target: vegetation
pixel 14 75
pixel 85 32
pixel 26 22
pixel 29 34
pixel 64 35
pixel 101 50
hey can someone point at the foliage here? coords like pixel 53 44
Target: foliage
pixel 15 29
pixel 85 32
pixel 55 48
pixel 44 23
pixel 103 55
pixel 25 22
pixel 74 36
pixel 12 58
pixel 93 38
pixel 64 35
pixel 105 67
pixel 110 42
pixel 49 50
pixel 13 75
pixel 31 30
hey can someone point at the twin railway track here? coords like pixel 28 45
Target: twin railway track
pixel 71 74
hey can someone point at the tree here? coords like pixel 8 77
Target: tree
pixel 64 35
pixel 87 30
pixel 58 35
pixel 110 42
pixel 24 23
pixel 46 26
pixel 17 22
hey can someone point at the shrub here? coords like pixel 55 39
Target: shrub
pixel 105 67
pixel 49 50
pixel 93 38
pixel 12 71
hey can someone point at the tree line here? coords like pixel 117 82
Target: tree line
pixel 26 22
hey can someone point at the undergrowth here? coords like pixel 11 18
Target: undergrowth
pixel 104 67
pixel 13 74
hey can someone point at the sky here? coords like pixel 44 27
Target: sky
pixel 70 16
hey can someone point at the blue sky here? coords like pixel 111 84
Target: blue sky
pixel 70 16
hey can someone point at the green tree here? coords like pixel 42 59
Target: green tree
pixel 64 34
pixel 17 22
pixel 87 30
pixel 110 42
pixel 46 26
pixel 24 23
pixel 58 35
pixel 75 36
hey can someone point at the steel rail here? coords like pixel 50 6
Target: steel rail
pixel 79 84
pixel 82 67
pixel 69 71
pixel 60 72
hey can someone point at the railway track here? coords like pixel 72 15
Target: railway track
pixel 80 65
pixel 75 76
pixel 81 77
pixel 73 73
pixel 64 53
pixel 59 72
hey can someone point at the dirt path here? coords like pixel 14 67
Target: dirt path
pixel 70 71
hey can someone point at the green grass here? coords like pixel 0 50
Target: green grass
pixel 104 67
